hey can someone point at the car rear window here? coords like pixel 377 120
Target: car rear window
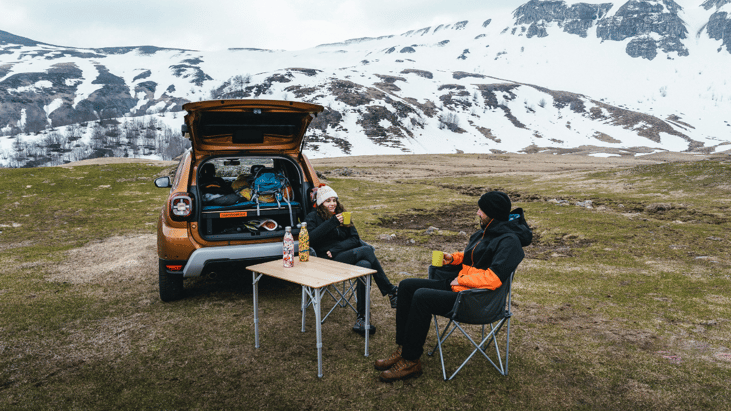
pixel 235 166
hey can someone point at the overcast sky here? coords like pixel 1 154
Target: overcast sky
pixel 222 24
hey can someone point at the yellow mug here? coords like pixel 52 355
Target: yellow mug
pixel 346 217
pixel 436 258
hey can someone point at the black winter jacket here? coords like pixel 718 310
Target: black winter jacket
pixel 493 253
pixel 329 235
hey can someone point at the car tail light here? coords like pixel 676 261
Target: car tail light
pixel 174 267
pixel 181 206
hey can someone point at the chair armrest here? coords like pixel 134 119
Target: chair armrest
pixel 444 272
pixel 480 305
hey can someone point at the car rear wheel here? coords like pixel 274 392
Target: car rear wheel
pixel 171 285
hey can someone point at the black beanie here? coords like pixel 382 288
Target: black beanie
pixel 496 205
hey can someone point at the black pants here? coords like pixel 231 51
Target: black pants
pixel 364 256
pixel 418 300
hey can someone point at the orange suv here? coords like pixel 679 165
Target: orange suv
pixel 243 180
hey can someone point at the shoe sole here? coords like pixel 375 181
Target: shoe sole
pixel 406 377
pixel 382 368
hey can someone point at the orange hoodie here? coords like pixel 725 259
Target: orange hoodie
pixel 471 277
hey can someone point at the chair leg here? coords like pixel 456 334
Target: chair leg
pixel 507 347
pixel 477 348
pixel 438 345
pixel 341 298
pixel 436 331
pixel 500 364
pixel 440 339
pixel 492 338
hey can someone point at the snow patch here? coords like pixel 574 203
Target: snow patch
pixel 52 106
pixel 35 87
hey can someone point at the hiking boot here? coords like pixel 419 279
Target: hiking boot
pixel 393 296
pixel 402 370
pixel 359 327
pixel 383 365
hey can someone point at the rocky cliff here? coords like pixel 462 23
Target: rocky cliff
pixel 650 25
pixel 719 24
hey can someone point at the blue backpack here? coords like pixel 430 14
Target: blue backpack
pixel 270 186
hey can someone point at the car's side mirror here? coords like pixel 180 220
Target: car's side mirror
pixel 163 182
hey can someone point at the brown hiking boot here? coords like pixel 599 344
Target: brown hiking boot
pixel 402 370
pixel 383 365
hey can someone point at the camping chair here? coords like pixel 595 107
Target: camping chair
pixel 342 297
pixel 345 296
pixel 483 307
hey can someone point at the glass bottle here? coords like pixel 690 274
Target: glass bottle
pixel 304 243
pixel 288 248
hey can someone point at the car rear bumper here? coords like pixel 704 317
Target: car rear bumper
pixel 232 253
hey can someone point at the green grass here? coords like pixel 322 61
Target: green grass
pixel 73 205
pixel 622 306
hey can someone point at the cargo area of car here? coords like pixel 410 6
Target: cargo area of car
pixel 232 206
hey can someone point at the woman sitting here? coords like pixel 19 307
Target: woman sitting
pixel 330 238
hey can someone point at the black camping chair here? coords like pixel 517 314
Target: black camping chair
pixel 483 307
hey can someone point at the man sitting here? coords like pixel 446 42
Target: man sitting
pixel 492 254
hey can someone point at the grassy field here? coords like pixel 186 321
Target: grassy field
pixel 623 301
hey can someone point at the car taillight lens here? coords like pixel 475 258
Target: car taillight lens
pixel 181 206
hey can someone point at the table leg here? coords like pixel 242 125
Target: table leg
pixel 318 329
pixel 367 310
pixel 304 307
pixel 255 285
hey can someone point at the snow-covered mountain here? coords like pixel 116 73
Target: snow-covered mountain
pixel 611 78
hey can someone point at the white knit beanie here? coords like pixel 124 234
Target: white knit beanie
pixel 325 192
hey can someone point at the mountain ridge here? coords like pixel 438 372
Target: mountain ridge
pixel 552 75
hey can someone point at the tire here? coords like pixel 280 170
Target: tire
pixel 171 285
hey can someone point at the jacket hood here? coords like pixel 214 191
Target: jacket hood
pixel 518 226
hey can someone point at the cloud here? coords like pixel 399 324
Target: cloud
pixel 221 24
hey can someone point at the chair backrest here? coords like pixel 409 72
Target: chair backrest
pixel 483 306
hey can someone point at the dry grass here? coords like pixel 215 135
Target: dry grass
pixel 102 267
pixel 621 306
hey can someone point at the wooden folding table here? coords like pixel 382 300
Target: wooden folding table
pixel 314 276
